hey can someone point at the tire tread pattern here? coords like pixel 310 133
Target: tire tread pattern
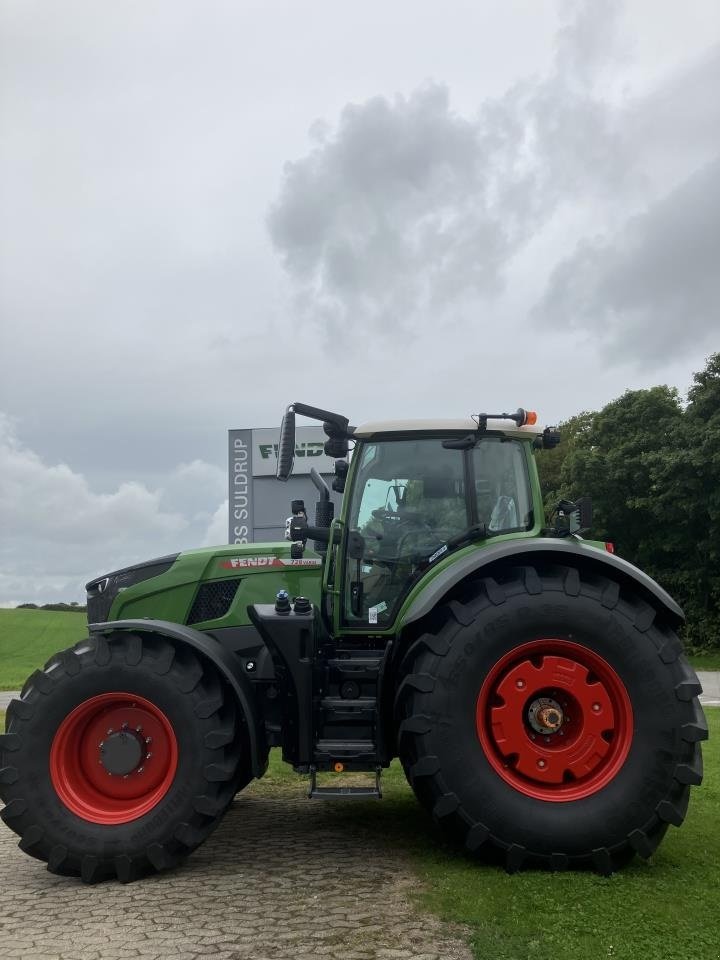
pixel 424 771
pixel 223 777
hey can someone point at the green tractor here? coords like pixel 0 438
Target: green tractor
pixel 531 682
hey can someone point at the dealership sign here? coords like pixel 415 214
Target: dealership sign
pixel 309 443
pixel 252 456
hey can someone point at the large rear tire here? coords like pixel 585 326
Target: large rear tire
pixel 551 719
pixel 120 757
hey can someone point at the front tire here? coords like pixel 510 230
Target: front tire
pixel 120 758
pixel 551 719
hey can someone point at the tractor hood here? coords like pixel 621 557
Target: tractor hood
pixel 211 584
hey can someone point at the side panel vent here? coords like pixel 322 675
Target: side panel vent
pixel 213 600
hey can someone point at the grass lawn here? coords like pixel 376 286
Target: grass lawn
pixel 706 661
pixel 28 638
pixel 666 909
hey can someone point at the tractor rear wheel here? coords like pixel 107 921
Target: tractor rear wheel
pixel 120 757
pixel 550 719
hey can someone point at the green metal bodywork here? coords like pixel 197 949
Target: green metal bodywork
pixel 170 595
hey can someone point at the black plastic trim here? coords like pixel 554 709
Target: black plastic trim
pixel 102 591
pixel 229 666
pixel 166 561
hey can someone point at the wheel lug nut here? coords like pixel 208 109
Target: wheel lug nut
pixel 542 764
pixel 140 769
pixel 148 740
pixel 148 755
pixel 596 708
pixel 520 684
pixel 110 731
pixel 138 729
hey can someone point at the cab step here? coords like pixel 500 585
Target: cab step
pixel 344 793
pixel 329 751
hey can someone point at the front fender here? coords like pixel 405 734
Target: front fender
pixel 541 548
pixel 228 666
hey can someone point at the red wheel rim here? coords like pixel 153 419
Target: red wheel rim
pixel 113 758
pixel 554 720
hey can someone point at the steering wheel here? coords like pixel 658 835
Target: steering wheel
pixel 402 526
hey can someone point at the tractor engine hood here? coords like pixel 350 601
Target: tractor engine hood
pixel 172 587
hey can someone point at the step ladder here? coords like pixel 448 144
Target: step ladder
pixel 344 793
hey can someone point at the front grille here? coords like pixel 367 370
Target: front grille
pixel 213 600
pixel 102 591
pixel 98 606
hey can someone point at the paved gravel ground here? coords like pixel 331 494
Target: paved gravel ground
pixel 280 878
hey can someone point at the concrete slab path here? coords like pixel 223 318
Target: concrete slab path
pixel 280 879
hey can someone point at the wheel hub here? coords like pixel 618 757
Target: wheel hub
pixel 545 715
pixel 122 753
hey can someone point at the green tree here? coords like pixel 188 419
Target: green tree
pixel 690 493
pixel 550 462
pixel 652 468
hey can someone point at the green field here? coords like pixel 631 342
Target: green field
pixel 29 637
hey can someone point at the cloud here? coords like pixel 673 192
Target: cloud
pixel 217 531
pixel 58 532
pixel 409 207
pixel 56 503
pixel 653 288
pixel 408 217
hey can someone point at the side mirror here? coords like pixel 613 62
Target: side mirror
pixel 577 516
pixel 286 446
pixel 584 513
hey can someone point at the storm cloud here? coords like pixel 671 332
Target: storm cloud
pixel 653 288
pixel 408 206
pixel 408 214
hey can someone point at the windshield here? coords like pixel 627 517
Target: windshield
pixel 413 496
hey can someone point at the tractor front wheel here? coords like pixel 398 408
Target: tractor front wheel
pixel 120 757
pixel 551 719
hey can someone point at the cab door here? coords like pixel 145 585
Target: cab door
pixel 408 498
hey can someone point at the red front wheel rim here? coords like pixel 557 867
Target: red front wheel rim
pixel 554 720
pixel 113 758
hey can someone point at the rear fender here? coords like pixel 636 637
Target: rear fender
pixel 572 552
pixel 229 667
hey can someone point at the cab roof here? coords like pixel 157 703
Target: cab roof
pixel 462 425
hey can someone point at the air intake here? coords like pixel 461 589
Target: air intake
pixel 213 600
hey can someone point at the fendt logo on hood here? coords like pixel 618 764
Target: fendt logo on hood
pixel 309 449
pixel 233 563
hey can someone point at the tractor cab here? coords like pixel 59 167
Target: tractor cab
pixel 417 491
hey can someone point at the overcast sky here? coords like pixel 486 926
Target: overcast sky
pixel 210 209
